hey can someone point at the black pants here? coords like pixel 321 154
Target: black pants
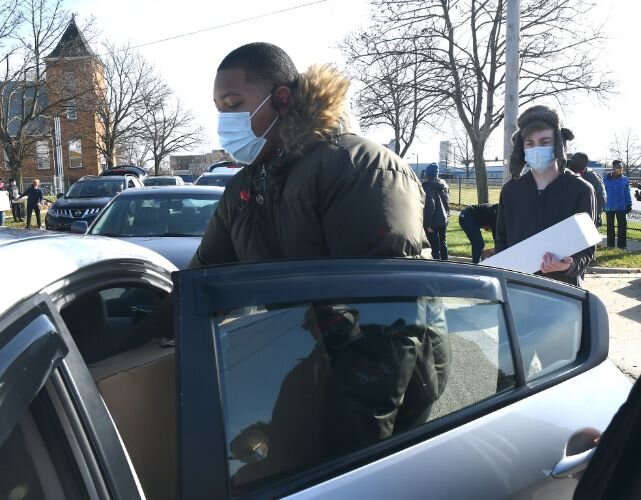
pixel 622 228
pixel 16 211
pixel 473 232
pixel 35 209
pixel 438 242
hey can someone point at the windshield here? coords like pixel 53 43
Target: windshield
pixel 157 215
pixel 95 189
pixel 160 181
pixel 214 180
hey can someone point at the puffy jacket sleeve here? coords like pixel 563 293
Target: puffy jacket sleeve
pixel 430 207
pixel 599 192
pixel 626 193
pixel 216 246
pixel 370 204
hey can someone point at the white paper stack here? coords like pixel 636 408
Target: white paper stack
pixel 566 238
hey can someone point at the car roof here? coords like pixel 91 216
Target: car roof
pixel 69 252
pixel 183 190
pixel 162 177
pixel 129 169
pixel 106 178
pixel 230 172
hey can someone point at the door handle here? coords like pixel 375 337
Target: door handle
pixel 573 464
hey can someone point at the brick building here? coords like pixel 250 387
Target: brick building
pixel 73 73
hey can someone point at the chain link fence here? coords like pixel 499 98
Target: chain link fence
pixel 463 193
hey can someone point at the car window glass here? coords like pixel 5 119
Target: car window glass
pixel 94 189
pixel 161 216
pixel 549 329
pixel 307 383
pixel 35 460
pixel 102 323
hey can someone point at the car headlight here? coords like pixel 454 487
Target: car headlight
pixel 92 211
pixel 53 212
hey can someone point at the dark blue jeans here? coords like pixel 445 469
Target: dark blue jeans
pixel 438 242
pixel 473 232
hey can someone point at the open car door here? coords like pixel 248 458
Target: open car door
pixel 374 378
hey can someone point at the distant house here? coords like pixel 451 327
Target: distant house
pixel 72 65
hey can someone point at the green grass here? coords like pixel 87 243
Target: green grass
pixel 457 242
pixel 458 245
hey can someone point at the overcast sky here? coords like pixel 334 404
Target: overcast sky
pixel 310 35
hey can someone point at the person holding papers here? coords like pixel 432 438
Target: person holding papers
pixel 547 194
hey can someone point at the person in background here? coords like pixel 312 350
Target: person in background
pixel 618 204
pixel 14 195
pixel 547 194
pixel 35 197
pixel 578 163
pixel 4 201
pixel 436 215
pixel 472 219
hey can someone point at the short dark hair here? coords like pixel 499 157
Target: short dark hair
pixel 578 162
pixel 617 164
pixel 262 62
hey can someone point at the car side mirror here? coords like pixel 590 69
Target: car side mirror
pixel 59 195
pixel 79 227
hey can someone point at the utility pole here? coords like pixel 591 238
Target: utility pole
pixel 511 108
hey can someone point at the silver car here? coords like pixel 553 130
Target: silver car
pixel 169 220
pixel 94 405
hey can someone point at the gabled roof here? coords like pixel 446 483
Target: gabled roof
pixel 72 43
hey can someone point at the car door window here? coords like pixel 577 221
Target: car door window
pixel 549 329
pixel 309 382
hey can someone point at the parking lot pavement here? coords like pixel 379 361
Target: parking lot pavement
pixel 621 294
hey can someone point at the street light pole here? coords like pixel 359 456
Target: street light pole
pixel 511 108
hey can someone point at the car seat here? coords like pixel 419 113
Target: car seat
pixel 86 318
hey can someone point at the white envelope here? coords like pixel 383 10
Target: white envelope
pixel 566 238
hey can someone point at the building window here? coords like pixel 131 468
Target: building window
pixel 71 110
pixel 75 153
pixel 42 155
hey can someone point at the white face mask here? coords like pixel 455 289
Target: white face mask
pixel 236 136
pixel 540 158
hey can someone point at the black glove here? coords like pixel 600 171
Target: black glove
pixel 628 209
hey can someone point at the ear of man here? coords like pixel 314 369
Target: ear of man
pixel 281 99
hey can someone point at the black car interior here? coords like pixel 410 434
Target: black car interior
pixel 135 375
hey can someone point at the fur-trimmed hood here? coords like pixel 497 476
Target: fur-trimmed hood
pixel 319 108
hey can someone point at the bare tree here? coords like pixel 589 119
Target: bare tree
pixel 397 90
pixel 29 30
pixel 122 87
pixel 627 148
pixel 463 41
pixel 166 127
pixel 463 151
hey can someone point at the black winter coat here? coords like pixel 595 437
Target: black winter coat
pixel 348 197
pixel 437 204
pixel 524 212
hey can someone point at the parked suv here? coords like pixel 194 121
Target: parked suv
pixel 85 198
pixel 138 172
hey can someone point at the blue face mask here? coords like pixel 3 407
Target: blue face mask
pixel 236 136
pixel 540 158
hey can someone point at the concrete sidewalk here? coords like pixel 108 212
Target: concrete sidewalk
pixel 621 294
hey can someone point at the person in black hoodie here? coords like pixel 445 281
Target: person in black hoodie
pixel 472 219
pixel 436 214
pixel 545 195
